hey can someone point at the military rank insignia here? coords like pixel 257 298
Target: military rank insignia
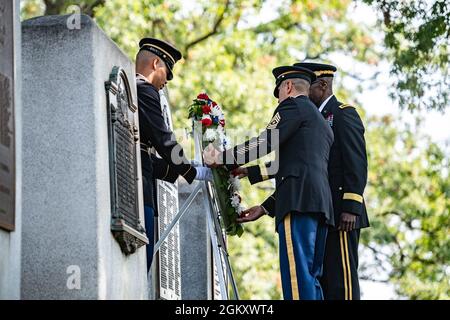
pixel 274 122
pixel 329 119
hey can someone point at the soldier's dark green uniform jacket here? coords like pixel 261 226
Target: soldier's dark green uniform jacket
pixel 347 168
pixel 155 133
pixel 304 144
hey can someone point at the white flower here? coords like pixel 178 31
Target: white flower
pixel 235 201
pixel 216 112
pixel 220 130
pixel 222 137
pixel 235 183
pixel 209 135
pixel 226 141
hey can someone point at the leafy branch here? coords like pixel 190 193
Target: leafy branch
pixel 214 30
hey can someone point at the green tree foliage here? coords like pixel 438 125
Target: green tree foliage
pixel 417 34
pixel 409 202
pixel 229 49
pixel 50 7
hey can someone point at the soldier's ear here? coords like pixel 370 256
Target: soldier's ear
pixel 290 85
pixel 155 63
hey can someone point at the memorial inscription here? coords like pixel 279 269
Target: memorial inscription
pixel 169 253
pixel 123 141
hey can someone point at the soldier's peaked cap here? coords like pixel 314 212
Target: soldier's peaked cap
pixel 167 52
pixel 291 72
pixel 320 69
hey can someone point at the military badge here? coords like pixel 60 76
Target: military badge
pixel 329 119
pixel 274 122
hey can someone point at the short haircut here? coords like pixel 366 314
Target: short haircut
pixel 144 57
pixel 300 84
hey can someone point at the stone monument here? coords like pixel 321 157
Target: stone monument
pixel 10 150
pixel 82 194
pixel 196 260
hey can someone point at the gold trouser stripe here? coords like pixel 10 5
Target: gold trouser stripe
pixel 343 265
pixel 264 173
pixel 353 196
pixel 290 252
pixel 348 266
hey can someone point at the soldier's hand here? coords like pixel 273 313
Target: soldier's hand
pixel 211 156
pixel 251 214
pixel 240 172
pixel 195 163
pixel 348 222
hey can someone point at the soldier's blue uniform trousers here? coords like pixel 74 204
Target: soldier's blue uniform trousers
pixel 302 239
pixel 149 225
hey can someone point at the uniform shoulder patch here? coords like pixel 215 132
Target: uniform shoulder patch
pixel 346 105
pixel 274 122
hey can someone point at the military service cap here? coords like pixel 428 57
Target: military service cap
pixel 167 52
pixel 320 69
pixel 291 72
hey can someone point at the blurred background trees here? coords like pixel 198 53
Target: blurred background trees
pixel 418 42
pixel 409 203
pixel 229 49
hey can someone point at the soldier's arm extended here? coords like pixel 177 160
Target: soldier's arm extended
pixel 284 123
pixel 161 137
pixel 162 170
pixel 269 205
pixel 259 173
pixel 353 145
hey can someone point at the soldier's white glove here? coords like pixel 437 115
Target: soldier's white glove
pixel 203 173
pixel 195 163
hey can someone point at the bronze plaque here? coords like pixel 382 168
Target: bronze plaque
pixel 7 137
pixel 123 147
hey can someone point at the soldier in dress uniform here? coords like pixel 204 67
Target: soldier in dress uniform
pixel 301 203
pixel 154 67
pixel 347 171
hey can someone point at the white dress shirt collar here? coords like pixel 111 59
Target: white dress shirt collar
pixel 325 102
pixel 140 76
